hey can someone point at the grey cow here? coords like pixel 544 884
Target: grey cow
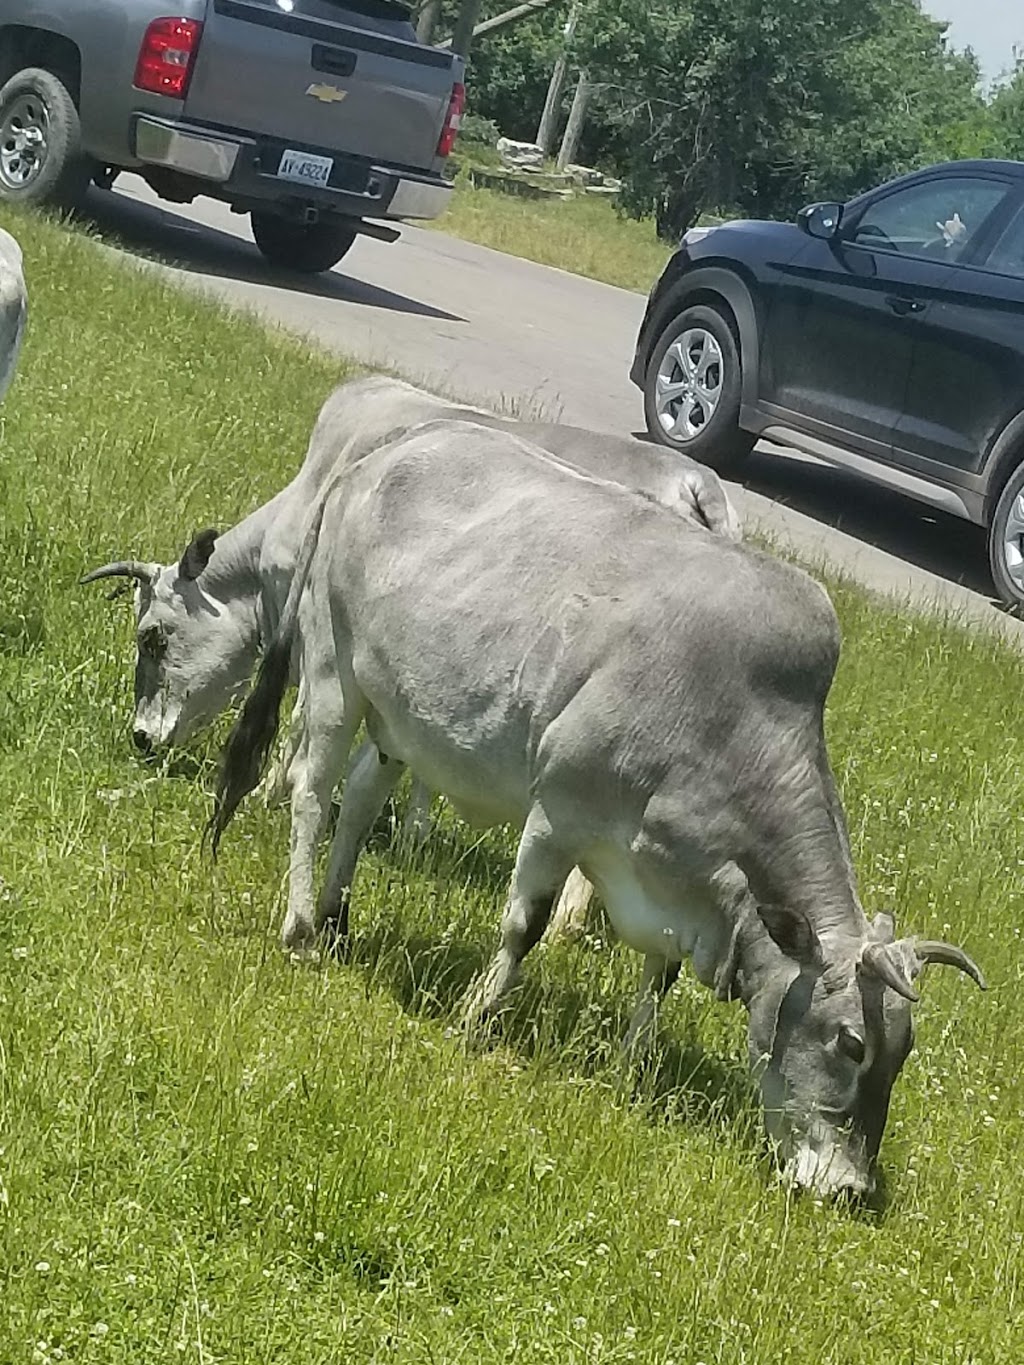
pixel 13 308
pixel 545 648
pixel 201 623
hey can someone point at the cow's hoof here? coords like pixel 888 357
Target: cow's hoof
pixel 298 935
pixel 306 957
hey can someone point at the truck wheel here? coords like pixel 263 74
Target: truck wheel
pixel 41 157
pixel 1006 543
pixel 692 390
pixel 306 248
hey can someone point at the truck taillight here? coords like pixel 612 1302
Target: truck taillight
pixel 452 119
pixel 167 56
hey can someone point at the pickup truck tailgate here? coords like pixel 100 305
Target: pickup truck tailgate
pixel 324 74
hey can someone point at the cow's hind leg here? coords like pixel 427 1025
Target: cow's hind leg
pixel 368 784
pixel 316 769
pixel 570 917
pixel 660 975
pixel 541 868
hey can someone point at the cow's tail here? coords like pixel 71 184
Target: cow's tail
pixel 247 751
pixel 711 503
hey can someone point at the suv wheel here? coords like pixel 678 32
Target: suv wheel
pixel 1006 542
pixel 307 248
pixel 693 387
pixel 41 158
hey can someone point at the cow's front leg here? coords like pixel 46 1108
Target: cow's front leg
pixel 541 868
pixel 368 784
pixel 278 779
pixel 416 824
pixel 660 975
pixel 570 917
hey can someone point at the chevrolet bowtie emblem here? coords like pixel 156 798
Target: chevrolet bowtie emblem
pixel 327 94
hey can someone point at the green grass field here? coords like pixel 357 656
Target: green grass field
pixel 210 1155
pixel 583 235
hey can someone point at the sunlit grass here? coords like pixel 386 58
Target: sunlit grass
pixel 208 1154
pixel 584 235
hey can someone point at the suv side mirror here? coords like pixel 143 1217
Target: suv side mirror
pixel 820 220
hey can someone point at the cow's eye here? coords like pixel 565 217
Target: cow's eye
pixel 152 641
pixel 850 1043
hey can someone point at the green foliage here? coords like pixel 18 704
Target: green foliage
pixel 1008 114
pixel 477 129
pixel 509 70
pixel 758 105
pixel 209 1154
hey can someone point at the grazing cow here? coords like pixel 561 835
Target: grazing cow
pixel 13 308
pixel 200 623
pixel 545 648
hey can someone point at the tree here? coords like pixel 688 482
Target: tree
pixel 1007 112
pixel 759 105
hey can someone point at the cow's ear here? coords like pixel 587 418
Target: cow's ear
pixel 198 553
pixel 793 933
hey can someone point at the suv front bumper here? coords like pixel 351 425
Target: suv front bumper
pixel 243 171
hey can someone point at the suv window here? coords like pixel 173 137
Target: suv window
pixel 936 219
pixel 1007 256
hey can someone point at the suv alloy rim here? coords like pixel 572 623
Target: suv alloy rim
pixel 688 384
pixel 23 141
pixel 1013 542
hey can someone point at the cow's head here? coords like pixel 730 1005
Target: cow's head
pixel 830 1028
pixel 196 643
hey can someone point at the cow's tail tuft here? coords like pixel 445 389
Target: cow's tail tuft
pixel 247 751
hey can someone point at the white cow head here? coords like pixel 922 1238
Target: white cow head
pixel 196 643
pixel 830 1029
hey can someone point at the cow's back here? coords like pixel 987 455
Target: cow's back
pixel 506 591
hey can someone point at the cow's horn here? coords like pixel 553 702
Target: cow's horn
pixel 122 568
pixel 875 958
pixel 934 950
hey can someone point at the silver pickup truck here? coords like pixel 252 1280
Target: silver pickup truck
pixel 319 118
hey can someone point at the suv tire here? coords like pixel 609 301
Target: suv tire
pixel 1006 542
pixel 41 157
pixel 693 387
pixel 307 248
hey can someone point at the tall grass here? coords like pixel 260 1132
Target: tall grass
pixel 584 235
pixel 208 1154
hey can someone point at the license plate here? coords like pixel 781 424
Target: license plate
pixel 305 167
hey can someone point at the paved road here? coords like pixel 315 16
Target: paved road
pixel 494 329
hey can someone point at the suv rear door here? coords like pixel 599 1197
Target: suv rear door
pixel 337 75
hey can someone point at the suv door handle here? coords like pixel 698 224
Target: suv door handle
pixel 901 305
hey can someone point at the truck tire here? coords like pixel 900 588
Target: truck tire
pixel 305 248
pixel 692 390
pixel 41 157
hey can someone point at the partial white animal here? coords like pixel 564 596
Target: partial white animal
pixel 13 308
pixel 546 648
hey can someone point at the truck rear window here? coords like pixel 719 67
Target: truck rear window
pixel 336 10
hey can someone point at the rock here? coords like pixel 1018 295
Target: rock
pixel 586 175
pixel 519 154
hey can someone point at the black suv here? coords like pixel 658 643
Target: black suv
pixel 885 335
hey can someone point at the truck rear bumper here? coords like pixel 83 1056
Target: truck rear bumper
pixel 243 171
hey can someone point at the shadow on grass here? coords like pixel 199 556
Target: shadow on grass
pixel 681 1081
